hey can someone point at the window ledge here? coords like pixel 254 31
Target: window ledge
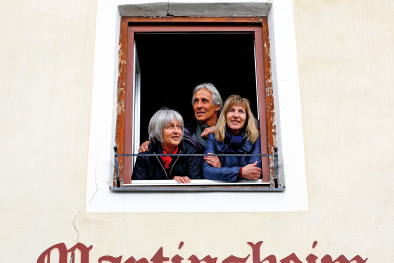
pixel 196 188
pixel 196 185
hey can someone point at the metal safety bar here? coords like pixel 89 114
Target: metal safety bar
pixel 117 155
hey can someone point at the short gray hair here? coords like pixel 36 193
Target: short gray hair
pixel 217 99
pixel 159 120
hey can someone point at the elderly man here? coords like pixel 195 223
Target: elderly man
pixel 206 104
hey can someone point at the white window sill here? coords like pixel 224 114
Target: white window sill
pixel 194 182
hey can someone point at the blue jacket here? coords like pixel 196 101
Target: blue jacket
pixel 152 167
pixel 230 165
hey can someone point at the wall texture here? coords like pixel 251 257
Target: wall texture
pixel 345 52
pixel 46 66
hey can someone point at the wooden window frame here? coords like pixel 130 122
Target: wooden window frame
pixel 259 25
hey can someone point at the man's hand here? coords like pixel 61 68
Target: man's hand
pixel 207 131
pixel 144 147
pixel 182 179
pixel 251 172
pixel 214 161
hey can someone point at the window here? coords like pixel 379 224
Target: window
pixel 285 83
pixel 159 55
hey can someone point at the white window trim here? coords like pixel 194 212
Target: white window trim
pixel 136 104
pixel 288 122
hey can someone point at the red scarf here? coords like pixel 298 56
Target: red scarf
pixel 167 159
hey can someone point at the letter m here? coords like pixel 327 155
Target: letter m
pixel 342 259
pixel 63 253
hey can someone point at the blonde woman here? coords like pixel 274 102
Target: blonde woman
pixel 236 132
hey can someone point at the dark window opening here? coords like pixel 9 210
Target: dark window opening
pixel 173 64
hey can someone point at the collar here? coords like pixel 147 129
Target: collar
pixel 192 123
pixel 202 127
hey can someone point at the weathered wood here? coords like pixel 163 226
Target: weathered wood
pixel 120 120
pixel 271 129
pixel 129 108
pixel 262 103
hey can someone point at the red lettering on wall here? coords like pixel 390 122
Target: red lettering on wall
pixel 45 257
pixel 314 244
pixel 256 253
pixel 342 259
pixel 291 257
pixel 181 245
pixel 63 253
pixel 234 259
pixel 111 259
pixel 176 259
pixel 311 258
pixel 158 257
pixel 207 259
pixel 132 260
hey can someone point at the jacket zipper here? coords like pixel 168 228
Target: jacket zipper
pixel 174 163
pixel 162 166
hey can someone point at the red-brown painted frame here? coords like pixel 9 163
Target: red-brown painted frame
pixel 258 25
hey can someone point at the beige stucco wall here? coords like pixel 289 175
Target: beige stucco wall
pixel 345 52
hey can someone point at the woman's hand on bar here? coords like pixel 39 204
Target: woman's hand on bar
pixel 251 172
pixel 182 179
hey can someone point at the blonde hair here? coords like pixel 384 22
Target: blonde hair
pixel 251 131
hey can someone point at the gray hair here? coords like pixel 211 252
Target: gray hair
pixel 217 100
pixel 159 120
